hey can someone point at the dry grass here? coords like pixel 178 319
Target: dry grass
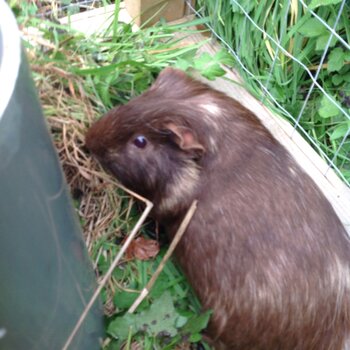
pixel 69 113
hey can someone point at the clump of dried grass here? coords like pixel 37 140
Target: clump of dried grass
pixel 69 113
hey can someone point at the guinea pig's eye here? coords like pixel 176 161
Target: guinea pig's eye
pixel 140 141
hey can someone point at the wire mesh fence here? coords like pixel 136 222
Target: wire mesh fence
pixel 295 57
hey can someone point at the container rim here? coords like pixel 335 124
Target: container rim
pixel 11 55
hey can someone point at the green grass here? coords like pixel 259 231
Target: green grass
pixel 305 38
pixel 116 64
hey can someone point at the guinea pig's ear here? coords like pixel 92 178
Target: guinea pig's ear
pixel 171 77
pixel 186 139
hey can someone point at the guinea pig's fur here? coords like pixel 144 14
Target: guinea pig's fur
pixel 265 250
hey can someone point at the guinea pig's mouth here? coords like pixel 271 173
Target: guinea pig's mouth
pixel 110 164
pixel 105 160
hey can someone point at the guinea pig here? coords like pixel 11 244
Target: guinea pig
pixel 265 250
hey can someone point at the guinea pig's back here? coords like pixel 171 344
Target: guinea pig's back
pixel 266 240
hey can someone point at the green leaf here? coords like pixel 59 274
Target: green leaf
pixel 122 326
pixel 327 108
pixel 322 41
pixel 160 286
pixel 123 300
pixel 161 317
pixel 312 28
pixel 337 79
pixel 317 3
pixel 346 77
pixel 248 6
pixel 118 273
pixel 224 57
pixel 197 323
pixel 340 131
pixel 210 66
pixel 182 64
pixel 347 56
pixel 336 60
pixel 181 321
pixel 194 338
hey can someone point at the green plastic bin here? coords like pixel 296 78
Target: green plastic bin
pixel 46 278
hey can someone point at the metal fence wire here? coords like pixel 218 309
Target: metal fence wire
pixel 316 104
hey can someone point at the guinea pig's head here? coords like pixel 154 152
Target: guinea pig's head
pixel 156 144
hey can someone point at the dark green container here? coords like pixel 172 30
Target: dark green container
pixel 46 278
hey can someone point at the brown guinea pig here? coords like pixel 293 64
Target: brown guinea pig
pixel 265 250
